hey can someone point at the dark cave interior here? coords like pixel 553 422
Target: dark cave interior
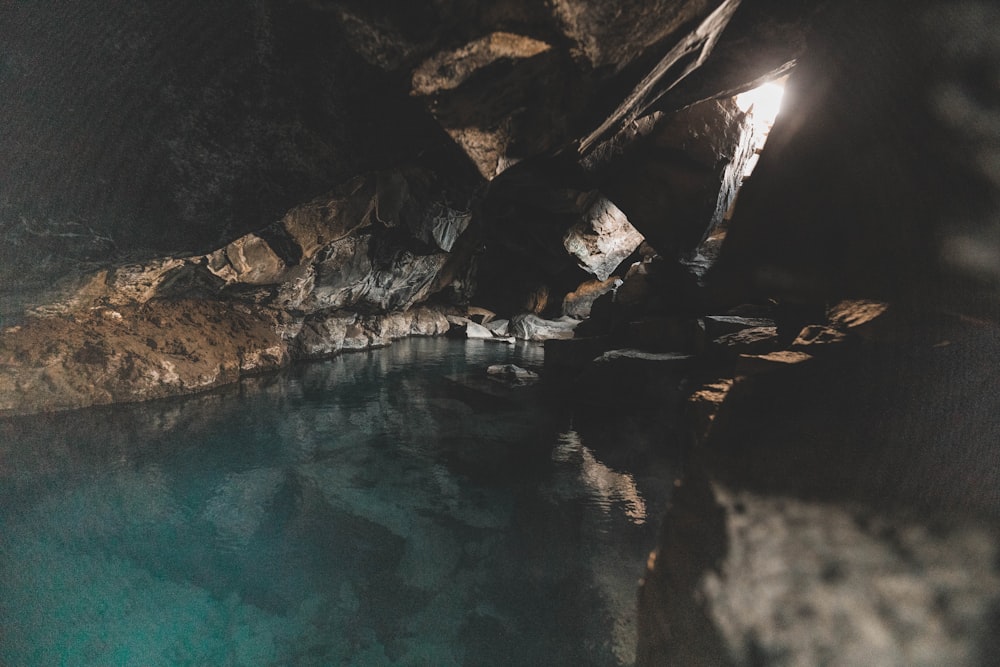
pixel 231 186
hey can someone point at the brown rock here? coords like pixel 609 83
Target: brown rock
pixel 579 302
pixel 104 356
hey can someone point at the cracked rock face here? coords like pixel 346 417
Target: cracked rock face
pixel 602 240
pixel 180 325
pixel 130 133
pixel 136 352
pixel 677 182
pixel 892 173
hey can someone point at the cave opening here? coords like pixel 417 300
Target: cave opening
pixel 764 104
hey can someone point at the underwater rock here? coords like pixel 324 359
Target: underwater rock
pixel 511 375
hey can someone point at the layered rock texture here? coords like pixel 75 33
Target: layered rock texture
pixel 194 193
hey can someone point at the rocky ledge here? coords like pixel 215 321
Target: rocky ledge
pixel 166 347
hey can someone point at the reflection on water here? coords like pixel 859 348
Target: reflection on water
pixel 362 511
pixel 609 490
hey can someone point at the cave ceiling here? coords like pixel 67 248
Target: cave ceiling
pixel 130 132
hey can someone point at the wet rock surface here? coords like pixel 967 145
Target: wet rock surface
pixel 109 355
pixel 835 509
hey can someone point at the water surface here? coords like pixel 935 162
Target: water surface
pixel 369 510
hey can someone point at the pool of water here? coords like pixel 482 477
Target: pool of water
pixel 384 508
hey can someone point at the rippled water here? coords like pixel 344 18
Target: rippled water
pixel 370 510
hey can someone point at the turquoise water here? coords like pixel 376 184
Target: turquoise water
pixel 382 508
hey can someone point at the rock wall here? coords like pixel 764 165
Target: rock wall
pixel 344 272
pixel 130 132
pixel 887 191
pixel 836 508
pixel 554 160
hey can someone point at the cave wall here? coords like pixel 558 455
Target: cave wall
pixel 878 179
pixel 177 126
pixel 208 192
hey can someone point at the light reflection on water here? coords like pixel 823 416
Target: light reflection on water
pixel 362 511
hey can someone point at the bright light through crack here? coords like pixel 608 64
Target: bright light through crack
pixel 765 100
pixel 763 104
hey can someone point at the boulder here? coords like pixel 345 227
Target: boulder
pixel 800 536
pixel 720 325
pixel 480 315
pixel 753 340
pixel 578 303
pixel 635 378
pixel 533 327
pixel 328 333
pixel 498 327
pixel 743 578
pixel 477 331
pixel 602 240
pixel 676 183
pixel 817 337
pixel 323 335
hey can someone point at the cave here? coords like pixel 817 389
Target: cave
pixel 500 333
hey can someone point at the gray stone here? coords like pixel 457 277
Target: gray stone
pixel 602 240
pixel 477 331
pixel 498 327
pixel 512 375
pixel 533 327
pixel 323 336
pixel 327 334
pixel 480 315
pixel 249 260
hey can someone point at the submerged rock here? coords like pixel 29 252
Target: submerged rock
pixel 511 374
